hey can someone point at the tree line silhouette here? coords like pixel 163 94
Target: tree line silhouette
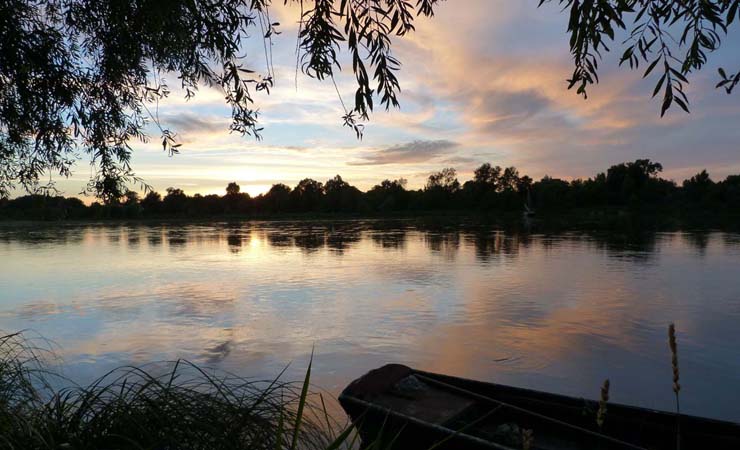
pixel 632 185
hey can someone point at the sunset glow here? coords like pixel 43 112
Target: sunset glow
pixel 483 81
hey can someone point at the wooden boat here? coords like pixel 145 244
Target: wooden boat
pixel 401 408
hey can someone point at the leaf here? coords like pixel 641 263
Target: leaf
pixel 651 67
pixel 340 439
pixel 659 85
pixel 731 13
pixel 667 100
pixel 679 75
pixel 682 104
pixel 279 437
pixel 301 404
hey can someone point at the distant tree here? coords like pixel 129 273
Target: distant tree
pixel 487 176
pixel 277 198
pixel 389 195
pixel 509 179
pixel 211 205
pixel 336 184
pixel 152 203
pixel 446 180
pixel 551 193
pixel 74 208
pixel 631 182
pixel 341 196
pixel 236 202
pixel 493 188
pixel 232 189
pixel 729 192
pixel 699 187
pixel 131 207
pixel 440 189
pixel 175 202
pixel 132 197
pixel 307 195
pixel 111 188
pixel 391 185
pixel 524 184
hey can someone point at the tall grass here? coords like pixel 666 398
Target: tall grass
pixel 676 378
pixel 179 407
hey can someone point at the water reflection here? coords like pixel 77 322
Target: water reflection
pixel 153 236
pixel 342 237
pixel 395 240
pixel 134 237
pixel 177 238
pixel 554 311
pixel 490 244
pixel 445 244
pixel 698 239
pixel 234 239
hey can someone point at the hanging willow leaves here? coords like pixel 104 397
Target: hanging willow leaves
pixel 673 36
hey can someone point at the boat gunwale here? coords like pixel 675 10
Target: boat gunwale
pixel 624 413
pixel 562 398
pixel 418 422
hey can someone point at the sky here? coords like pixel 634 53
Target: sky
pixel 482 81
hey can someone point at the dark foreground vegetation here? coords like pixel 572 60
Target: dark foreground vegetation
pixel 633 186
pixel 173 406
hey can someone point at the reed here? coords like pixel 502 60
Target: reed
pixel 527 439
pixel 676 378
pixel 174 405
pixel 601 413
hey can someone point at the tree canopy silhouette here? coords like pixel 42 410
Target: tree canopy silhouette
pixel 633 187
pixel 85 76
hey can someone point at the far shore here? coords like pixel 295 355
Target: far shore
pixel 586 218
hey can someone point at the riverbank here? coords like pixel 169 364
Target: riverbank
pixel 576 219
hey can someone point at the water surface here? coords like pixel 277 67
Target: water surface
pixel 557 312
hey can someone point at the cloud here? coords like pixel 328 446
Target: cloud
pixel 500 110
pixel 418 151
pixel 462 160
pixel 191 126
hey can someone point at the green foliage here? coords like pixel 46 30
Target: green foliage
pixel 672 38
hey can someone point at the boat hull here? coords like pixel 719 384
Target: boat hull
pixel 468 414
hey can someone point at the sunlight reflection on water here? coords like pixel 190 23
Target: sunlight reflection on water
pixel 557 312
